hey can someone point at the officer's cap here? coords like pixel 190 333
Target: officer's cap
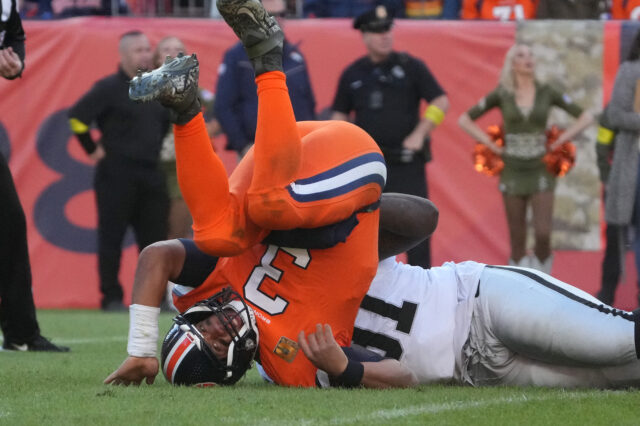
pixel 377 20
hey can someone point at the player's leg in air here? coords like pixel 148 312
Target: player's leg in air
pixel 294 163
pixel 286 191
pixel 537 330
pixel 293 186
pixel 217 213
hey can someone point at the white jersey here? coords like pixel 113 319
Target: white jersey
pixel 420 316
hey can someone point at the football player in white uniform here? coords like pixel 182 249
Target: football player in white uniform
pixel 497 325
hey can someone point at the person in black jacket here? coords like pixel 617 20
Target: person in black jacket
pixel 17 310
pixel 130 187
pixel 236 104
pixel 11 43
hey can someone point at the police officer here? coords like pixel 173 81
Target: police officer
pixel 384 89
pixel 236 104
pixel 17 310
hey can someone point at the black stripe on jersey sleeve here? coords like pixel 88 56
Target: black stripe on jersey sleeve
pixel 197 265
pixel 605 309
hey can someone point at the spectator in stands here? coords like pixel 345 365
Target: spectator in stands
pixel 525 104
pixel 625 9
pixel 622 203
pixel 571 9
pixel 384 90
pixel 17 311
pixel 114 7
pixel 130 187
pixel 236 104
pixel 349 8
pixel 500 10
pixel 37 9
pixel 432 9
pixel 70 8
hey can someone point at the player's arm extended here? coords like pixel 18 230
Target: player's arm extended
pixel 158 263
pixel 405 220
pixel 353 366
pixel 174 260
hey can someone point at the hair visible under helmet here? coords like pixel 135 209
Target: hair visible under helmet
pixel 186 357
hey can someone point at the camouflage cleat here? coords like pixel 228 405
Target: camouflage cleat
pixel 174 85
pixel 259 32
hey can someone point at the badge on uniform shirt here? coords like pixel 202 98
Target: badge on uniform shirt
pixel 286 349
pixel 296 57
pixel 376 99
pixel 397 72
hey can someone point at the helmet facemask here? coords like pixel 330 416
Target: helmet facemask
pixel 187 359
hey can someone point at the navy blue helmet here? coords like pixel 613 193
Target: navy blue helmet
pixel 187 359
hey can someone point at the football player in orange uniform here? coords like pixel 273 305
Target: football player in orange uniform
pixel 214 340
pixel 625 9
pixel 316 182
pixel 501 10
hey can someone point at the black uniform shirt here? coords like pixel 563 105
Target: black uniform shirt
pixel 11 32
pixel 386 96
pixel 130 130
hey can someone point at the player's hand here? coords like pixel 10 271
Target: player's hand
pixel 133 370
pixel 323 351
pixel 10 63
pixel 413 142
pixel 98 154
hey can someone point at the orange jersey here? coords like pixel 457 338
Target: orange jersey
pixel 502 10
pixel 625 9
pixel 283 183
pixel 298 176
pixel 339 170
pixel 292 290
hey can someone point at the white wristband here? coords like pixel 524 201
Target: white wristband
pixel 143 331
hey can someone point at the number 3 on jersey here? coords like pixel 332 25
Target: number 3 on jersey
pixel 252 293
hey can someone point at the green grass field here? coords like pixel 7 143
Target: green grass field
pixel 64 389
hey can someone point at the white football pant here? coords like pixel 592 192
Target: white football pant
pixel 530 329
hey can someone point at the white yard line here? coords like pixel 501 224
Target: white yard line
pixel 91 340
pixel 382 415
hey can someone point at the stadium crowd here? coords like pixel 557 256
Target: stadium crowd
pixel 413 9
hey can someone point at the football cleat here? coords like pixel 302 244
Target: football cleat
pixel 259 32
pixel 174 85
pixel 39 344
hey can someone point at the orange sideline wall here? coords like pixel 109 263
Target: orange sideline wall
pixel 54 177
